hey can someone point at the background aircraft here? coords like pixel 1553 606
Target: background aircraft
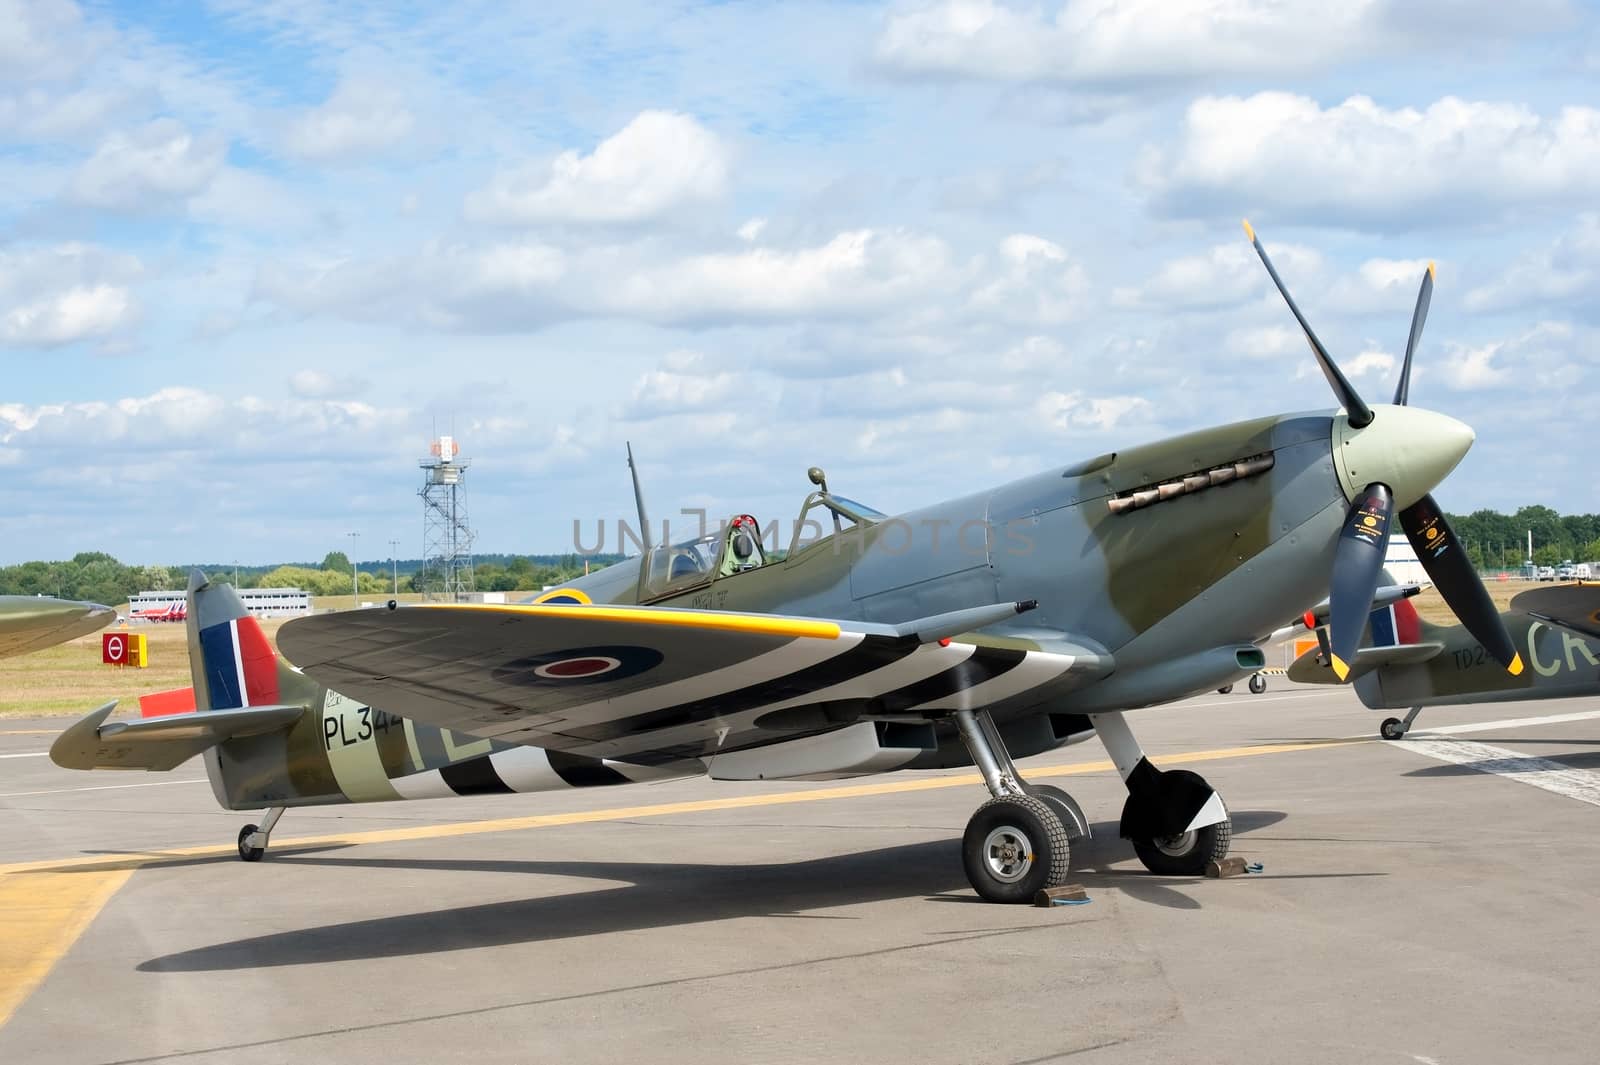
pixel 1409 663
pixel 1009 621
pixel 171 612
pixel 31 623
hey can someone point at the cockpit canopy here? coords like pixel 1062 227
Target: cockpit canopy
pixel 673 569
pixel 742 545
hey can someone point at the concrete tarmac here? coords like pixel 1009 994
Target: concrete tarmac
pixel 1420 902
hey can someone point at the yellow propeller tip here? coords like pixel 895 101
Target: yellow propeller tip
pixel 1249 230
pixel 1433 273
pixel 1515 668
pixel 1340 670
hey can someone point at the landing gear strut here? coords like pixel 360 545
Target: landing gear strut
pixel 253 839
pixel 1175 821
pixel 1393 728
pixel 1017 843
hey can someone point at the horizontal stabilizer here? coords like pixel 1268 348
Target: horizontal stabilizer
pixel 1307 669
pixel 161 743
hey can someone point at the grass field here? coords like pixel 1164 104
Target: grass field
pixel 70 679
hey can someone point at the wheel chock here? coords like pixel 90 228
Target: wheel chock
pixel 1230 866
pixel 1065 895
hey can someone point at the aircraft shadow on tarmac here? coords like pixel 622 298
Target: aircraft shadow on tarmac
pixel 656 895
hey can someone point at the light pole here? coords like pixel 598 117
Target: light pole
pixel 394 560
pixel 355 592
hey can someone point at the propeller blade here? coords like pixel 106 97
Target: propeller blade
pixel 1457 580
pixel 1357 567
pixel 1402 391
pixel 1359 413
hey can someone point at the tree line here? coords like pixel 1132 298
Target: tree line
pixel 1500 541
pixel 100 578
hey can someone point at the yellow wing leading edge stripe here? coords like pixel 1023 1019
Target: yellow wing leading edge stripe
pixel 694 619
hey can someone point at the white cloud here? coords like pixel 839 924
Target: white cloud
pixel 74 314
pixel 1361 164
pixel 40 39
pixel 36 114
pixel 58 295
pixel 1074 410
pixel 182 417
pixel 364 116
pixel 148 168
pixel 855 272
pixel 1039 283
pixel 658 162
pixel 1266 342
pixel 1117 42
pixel 685 384
pixel 1224 276
pixel 319 384
pixel 1370 363
pixel 1567 270
pixel 1545 361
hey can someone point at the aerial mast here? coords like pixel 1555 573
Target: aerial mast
pixel 446 536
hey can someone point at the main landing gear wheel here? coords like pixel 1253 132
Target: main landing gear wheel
pixel 1066 808
pixel 1014 847
pixel 248 853
pixel 1258 684
pixel 1392 728
pixel 1225 689
pixel 1187 853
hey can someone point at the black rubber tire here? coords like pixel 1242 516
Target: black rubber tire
pixel 249 854
pixel 1258 684
pixel 1392 728
pixel 1225 689
pixel 1035 821
pixel 1210 844
pixel 1063 805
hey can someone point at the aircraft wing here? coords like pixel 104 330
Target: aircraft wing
pixel 1572 606
pixel 621 681
pixel 30 623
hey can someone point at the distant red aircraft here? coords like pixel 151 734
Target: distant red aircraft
pixel 174 612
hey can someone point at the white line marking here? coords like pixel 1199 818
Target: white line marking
pixel 1510 722
pixel 1580 784
pixel 101 787
pixel 26 754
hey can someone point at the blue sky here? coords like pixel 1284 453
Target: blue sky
pixel 253 256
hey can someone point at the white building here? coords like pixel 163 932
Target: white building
pixel 262 602
pixel 1402 562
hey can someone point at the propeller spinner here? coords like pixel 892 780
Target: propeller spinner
pixel 1388 457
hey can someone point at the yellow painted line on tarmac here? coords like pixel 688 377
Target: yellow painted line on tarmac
pixel 30 732
pixel 627 813
pixel 41 916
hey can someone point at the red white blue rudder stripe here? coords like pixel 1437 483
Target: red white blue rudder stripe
pixel 240 668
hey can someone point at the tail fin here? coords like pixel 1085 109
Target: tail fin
pixel 231 661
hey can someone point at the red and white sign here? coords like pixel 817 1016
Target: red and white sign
pixel 114 649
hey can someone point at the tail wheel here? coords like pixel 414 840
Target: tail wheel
pixel 1187 853
pixel 248 853
pixel 1014 847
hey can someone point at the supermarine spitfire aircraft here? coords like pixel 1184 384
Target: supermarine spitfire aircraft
pixel 999 624
pixel 32 623
pixel 1408 663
